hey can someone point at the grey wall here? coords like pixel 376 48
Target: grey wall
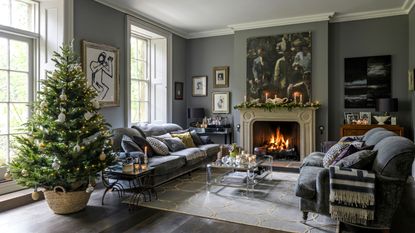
pixel 101 24
pixel 381 36
pixel 202 55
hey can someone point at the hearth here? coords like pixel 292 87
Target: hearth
pixel 278 139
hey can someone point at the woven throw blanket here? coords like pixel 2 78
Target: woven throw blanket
pixel 196 155
pixel 352 195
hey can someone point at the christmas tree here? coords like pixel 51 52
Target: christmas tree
pixel 67 141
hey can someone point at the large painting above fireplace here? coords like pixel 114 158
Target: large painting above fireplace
pixel 279 65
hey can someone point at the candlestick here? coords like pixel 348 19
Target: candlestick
pixel 145 150
pixel 275 97
pixel 301 98
pixel 245 98
pixel 266 96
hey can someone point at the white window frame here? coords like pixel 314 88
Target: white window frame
pixel 132 21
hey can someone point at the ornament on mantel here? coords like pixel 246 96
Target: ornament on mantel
pixel 96 104
pixel 88 116
pixel 102 156
pixel 55 164
pixel 61 117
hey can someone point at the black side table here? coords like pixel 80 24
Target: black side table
pixel 139 181
pixel 225 132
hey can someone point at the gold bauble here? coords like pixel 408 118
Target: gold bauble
pixel 35 195
pixel 102 156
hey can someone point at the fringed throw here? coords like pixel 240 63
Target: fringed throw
pixel 352 195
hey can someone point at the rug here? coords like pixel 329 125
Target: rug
pixel 272 205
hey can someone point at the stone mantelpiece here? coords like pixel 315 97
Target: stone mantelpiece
pixel 305 117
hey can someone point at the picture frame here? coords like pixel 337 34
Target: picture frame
pixel 349 117
pixel 411 81
pixel 178 90
pixel 221 102
pixel 100 64
pixel 221 77
pixel 366 115
pixel 199 86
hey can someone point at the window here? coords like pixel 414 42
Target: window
pixel 20 14
pixel 148 74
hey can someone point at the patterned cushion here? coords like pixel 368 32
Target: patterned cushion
pixel 159 147
pixel 360 160
pixel 174 144
pixel 128 144
pixel 186 139
pixel 332 154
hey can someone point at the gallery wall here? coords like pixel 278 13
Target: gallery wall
pixel 380 36
pixel 98 23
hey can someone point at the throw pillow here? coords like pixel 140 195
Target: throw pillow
pixel 167 135
pixel 142 142
pixel 186 139
pixel 174 144
pixel 196 138
pixel 128 144
pixel 159 147
pixel 360 160
pixel 332 154
pixel 350 149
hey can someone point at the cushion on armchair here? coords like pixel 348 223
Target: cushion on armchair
pixel 360 160
pixel 306 184
pixel 314 159
pixel 332 154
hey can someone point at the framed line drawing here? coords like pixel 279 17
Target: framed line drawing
pixel 221 77
pixel 199 86
pixel 101 66
pixel 220 102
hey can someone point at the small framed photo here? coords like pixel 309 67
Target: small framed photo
pixel 221 76
pixel 220 102
pixel 101 67
pixel 178 90
pixel 199 86
pixel 351 117
pixel 411 81
pixel 366 117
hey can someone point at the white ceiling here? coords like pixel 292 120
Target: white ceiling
pixel 199 18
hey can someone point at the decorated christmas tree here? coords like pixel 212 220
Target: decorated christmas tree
pixel 67 141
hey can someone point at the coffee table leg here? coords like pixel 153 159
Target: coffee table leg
pixel 208 176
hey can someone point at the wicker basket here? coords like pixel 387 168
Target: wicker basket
pixel 66 202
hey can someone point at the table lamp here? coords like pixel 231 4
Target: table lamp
pixel 385 105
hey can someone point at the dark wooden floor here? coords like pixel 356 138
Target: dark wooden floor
pixel 112 217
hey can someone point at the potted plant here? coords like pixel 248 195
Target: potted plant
pixel 67 141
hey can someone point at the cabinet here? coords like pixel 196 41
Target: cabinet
pixel 354 130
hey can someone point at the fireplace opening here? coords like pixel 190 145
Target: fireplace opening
pixel 279 139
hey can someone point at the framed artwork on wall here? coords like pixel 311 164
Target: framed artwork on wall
pixel 101 67
pixel 178 90
pixel 221 76
pixel 199 86
pixel 220 102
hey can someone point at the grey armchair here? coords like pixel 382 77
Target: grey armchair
pixel 392 167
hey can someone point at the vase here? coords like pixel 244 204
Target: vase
pixel 62 202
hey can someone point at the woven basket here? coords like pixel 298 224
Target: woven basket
pixel 66 202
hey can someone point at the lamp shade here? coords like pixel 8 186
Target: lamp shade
pixel 387 105
pixel 196 112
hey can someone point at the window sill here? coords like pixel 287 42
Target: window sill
pixel 16 199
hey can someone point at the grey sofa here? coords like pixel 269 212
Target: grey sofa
pixel 170 166
pixel 392 167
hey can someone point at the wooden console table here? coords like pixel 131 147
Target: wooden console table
pixel 354 130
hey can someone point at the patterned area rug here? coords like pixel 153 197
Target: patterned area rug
pixel 272 205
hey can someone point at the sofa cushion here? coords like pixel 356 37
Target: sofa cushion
pixel 359 160
pixel 128 144
pixel 192 155
pixel 142 142
pixel 210 149
pixel 174 144
pixel 150 130
pixel 332 154
pixel 119 133
pixel 186 139
pixel 306 184
pixel 196 138
pixel 166 164
pixel 158 147
pixel 378 136
pixel 314 159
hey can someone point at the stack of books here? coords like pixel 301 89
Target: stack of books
pixel 235 178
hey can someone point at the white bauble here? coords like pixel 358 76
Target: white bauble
pixel 77 148
pixel 95 103
pixel 63 97
pixel 61 117
pixel 102 156
pixel 56 165
pixel 24 172
pixel 43 104
pixel 88 116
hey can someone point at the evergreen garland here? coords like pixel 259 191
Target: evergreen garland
pixel 273 106
pixel 67 141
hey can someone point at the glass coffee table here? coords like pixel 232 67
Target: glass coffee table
pixel 242 175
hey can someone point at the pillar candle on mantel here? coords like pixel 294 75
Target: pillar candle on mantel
pixel 266 96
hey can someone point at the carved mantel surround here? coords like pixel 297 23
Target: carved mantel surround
pixel 305 117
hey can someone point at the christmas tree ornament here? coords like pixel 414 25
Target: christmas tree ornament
pixel 55 164
pixel 96 104
pixel 7 175
pixel 102 156
pixel 63 97
pixel 24 173
pixel 90 189
pixel 61 117
pixel 43 104
pixel 35 195
pixel 77 148
pixel 88 116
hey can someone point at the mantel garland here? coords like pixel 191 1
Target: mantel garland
pixel 272 106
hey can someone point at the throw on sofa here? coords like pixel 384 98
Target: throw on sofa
pixel 174 164
pixel 392 167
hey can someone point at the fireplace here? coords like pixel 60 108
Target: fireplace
pixel 279 139
pixel 299 122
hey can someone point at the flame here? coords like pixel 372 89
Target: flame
pixel 277 142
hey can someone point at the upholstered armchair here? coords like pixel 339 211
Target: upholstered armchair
pixel 392 167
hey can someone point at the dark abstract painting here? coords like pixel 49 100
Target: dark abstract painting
pixel 279 65
pixel 366 79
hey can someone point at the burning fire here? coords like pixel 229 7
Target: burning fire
pixel 278 142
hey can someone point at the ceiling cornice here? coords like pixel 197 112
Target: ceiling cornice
pixel 332 17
